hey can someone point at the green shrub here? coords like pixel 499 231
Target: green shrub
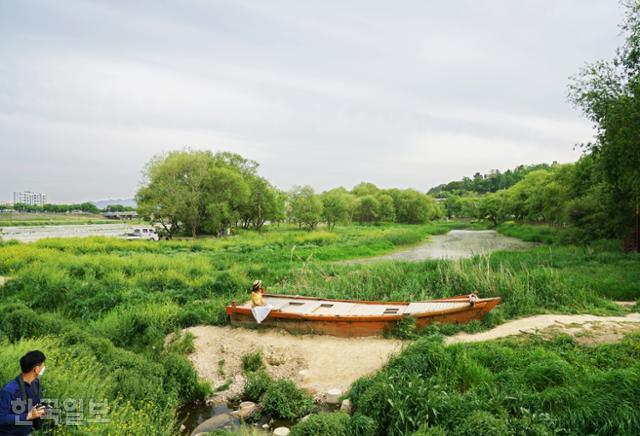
pixel 473 326
pixel 139 327
pixel 482 423
pixel 256 385
pixel 326 424
pixel 18 321
pixel 182 378
pixel 252 362
pixel 361 425
pixel 283 399
pixel 203 312
pixel 405 328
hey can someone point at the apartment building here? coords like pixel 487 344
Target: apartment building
pixel 30 198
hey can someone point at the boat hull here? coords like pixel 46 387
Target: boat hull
pixel 357 326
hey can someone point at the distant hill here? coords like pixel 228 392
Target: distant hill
pixel 101 204
pixel 483 183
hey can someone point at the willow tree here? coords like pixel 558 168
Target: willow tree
pixel 172 189
pixel 192 189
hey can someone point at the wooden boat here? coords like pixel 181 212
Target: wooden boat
pixel 348 318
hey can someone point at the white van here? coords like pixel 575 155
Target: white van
pixel 144 233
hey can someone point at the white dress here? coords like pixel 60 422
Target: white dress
pixel 261 312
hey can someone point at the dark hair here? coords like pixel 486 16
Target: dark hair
pixel 31 360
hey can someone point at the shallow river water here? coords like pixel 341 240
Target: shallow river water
pixel 456 244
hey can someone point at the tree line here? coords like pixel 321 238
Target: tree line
pixel 484 183
pixel 86 207
pixel 568 195
pixel 204 192
pixel 55 208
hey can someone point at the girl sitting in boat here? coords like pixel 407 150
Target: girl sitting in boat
pixel 259 308
pixel 473 298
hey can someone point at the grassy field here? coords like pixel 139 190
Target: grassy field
pixel 111 302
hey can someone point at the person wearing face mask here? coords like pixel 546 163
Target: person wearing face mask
pixel 20 408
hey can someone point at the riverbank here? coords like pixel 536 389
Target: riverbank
pixel 322 363
pixel 329 362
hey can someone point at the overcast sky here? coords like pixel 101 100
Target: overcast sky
pixel 325 93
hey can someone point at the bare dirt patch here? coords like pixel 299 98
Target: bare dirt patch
pixel 328 362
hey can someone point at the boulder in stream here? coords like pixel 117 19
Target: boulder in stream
pixel 223 420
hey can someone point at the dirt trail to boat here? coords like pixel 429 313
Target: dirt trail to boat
pixel 456 244
pixel 587 329
pixel 329 362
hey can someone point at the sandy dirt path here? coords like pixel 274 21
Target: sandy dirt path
pixel 577 325
pixel 328 362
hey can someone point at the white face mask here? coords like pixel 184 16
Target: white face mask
pixel 41 371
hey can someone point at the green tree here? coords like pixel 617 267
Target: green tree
pixel 608 92
pixel 245 166
pixel 491 207
pixel 335 207
pixel 305 207
pixel 365 188
pixel 197 190
pixel 413 207
pixel 225 193
pixel 368 210
pixel 387 208
pixel 452 206
pixel 280 209
pixel 352 205
pixel 173 189
pixel 262 203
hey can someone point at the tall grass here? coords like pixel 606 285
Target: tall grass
pixel 507 387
